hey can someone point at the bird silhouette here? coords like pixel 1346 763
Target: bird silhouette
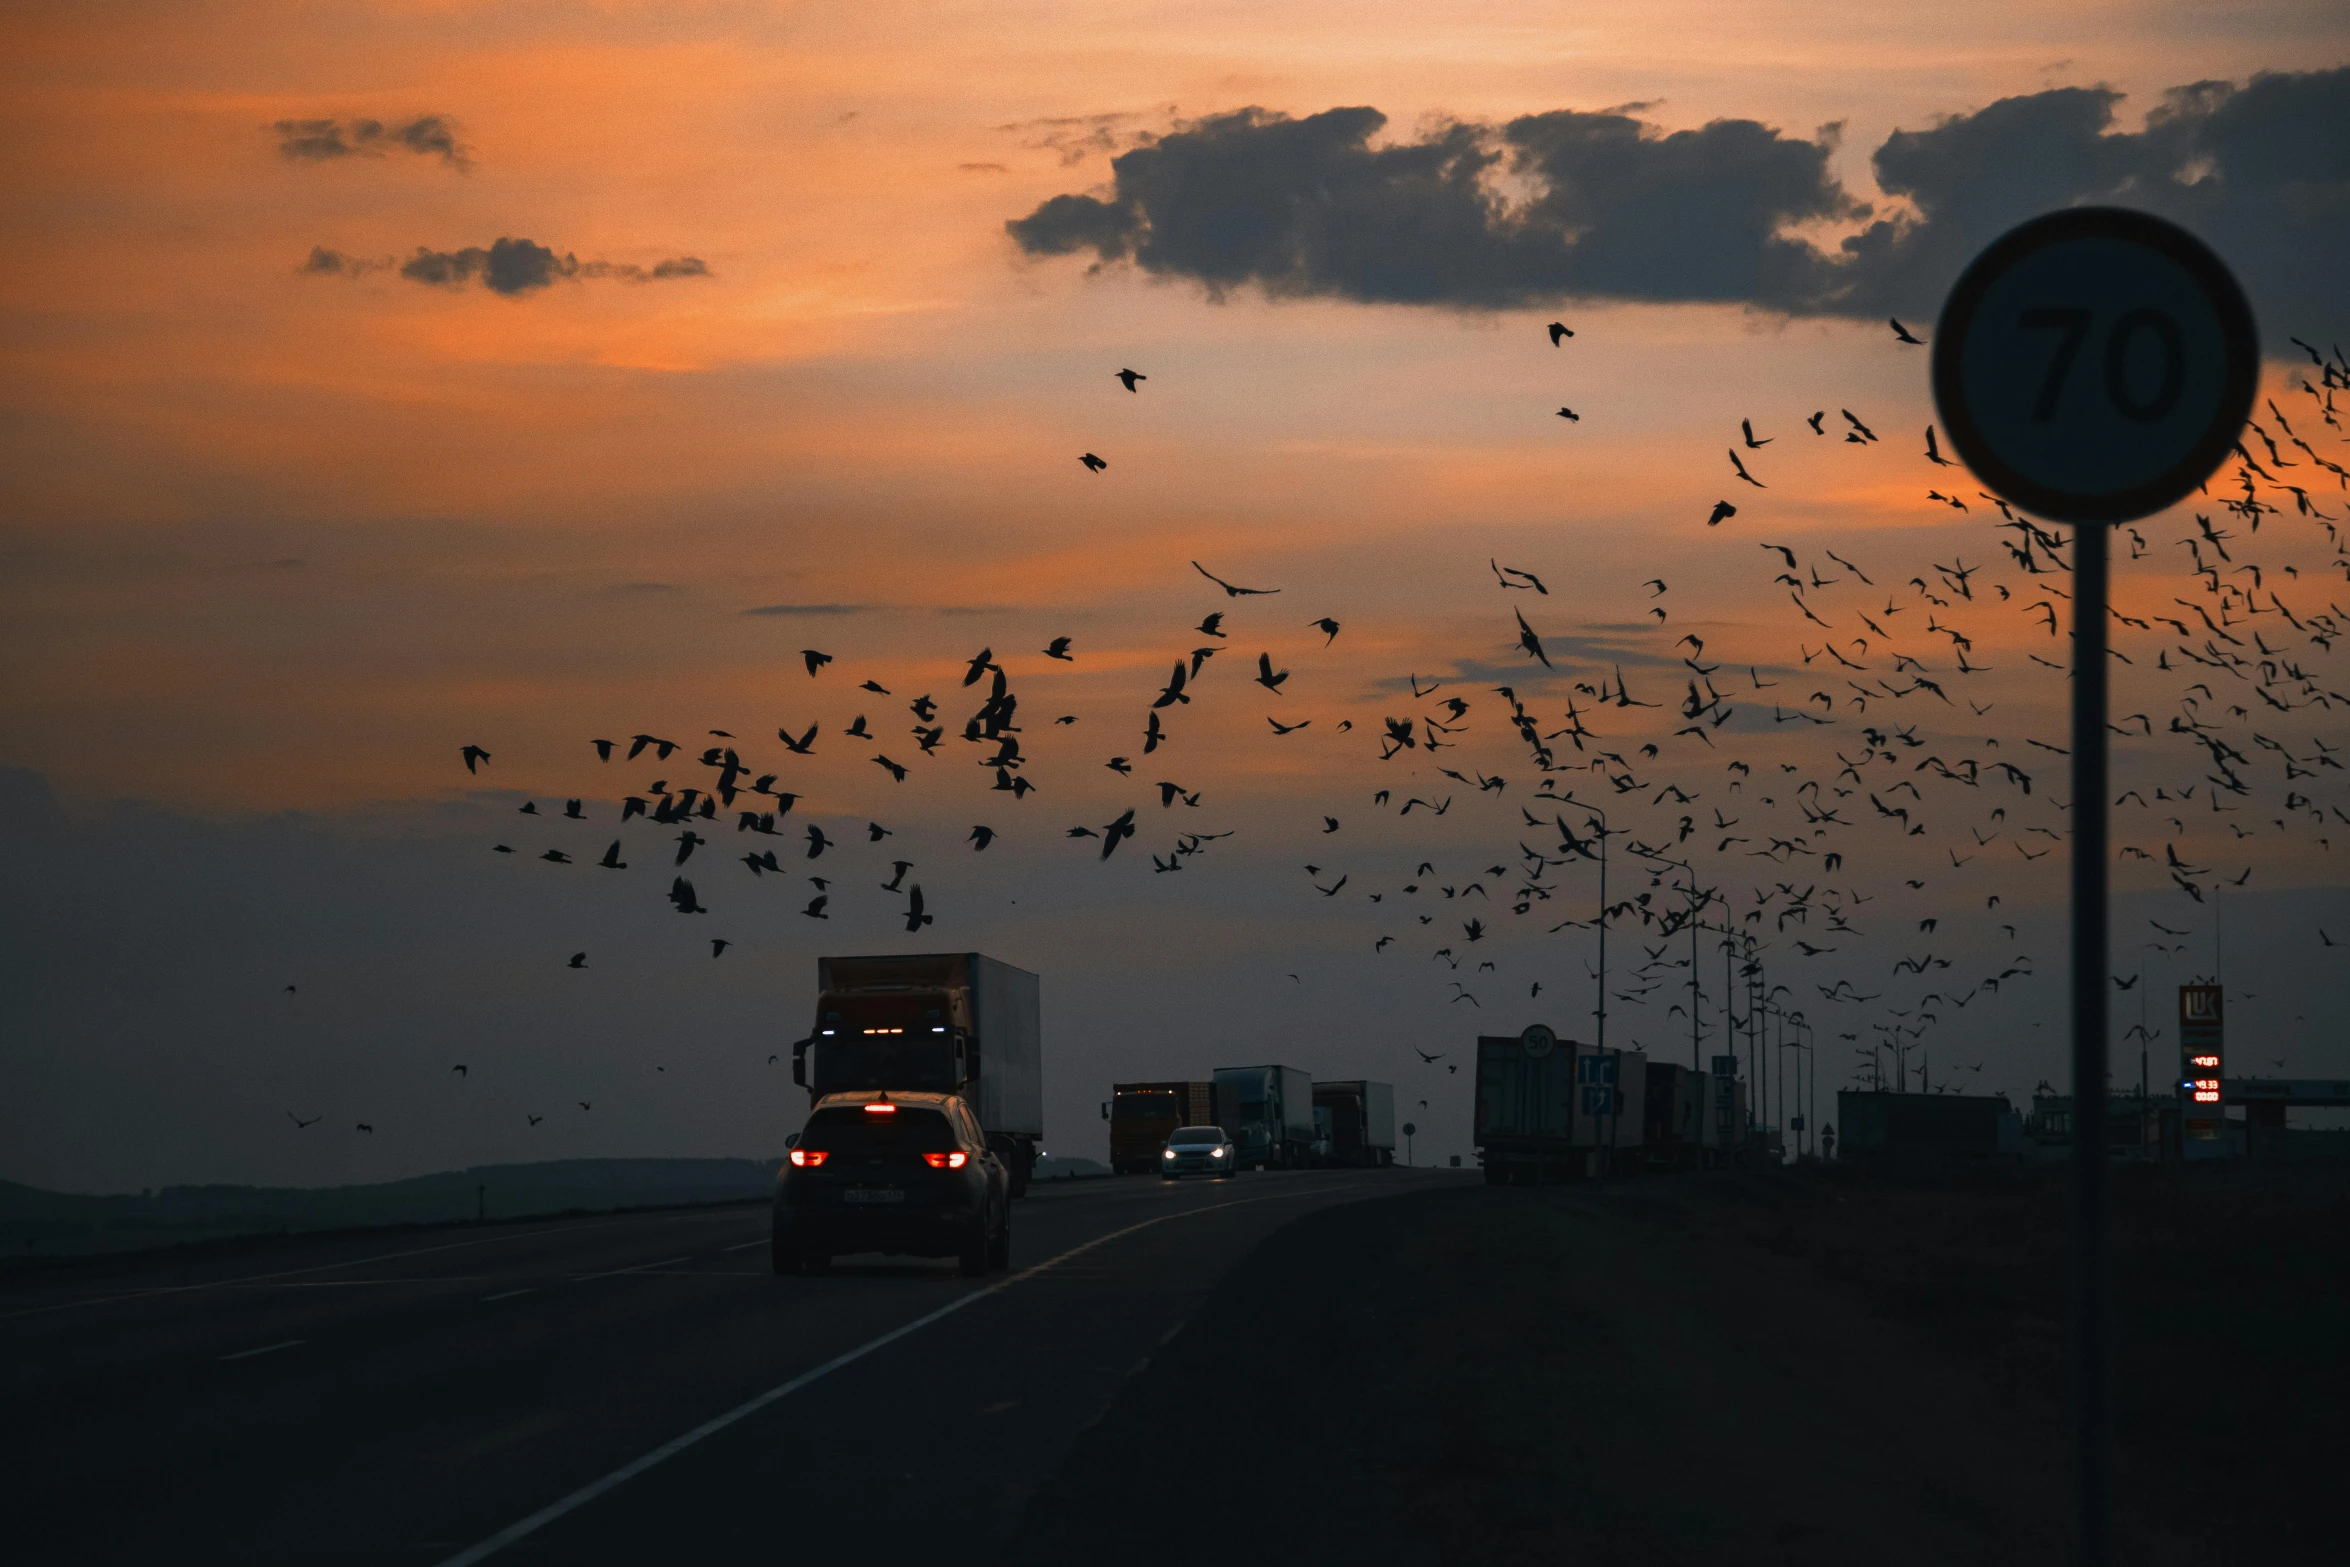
pixel 1130 377
pixel 474 754
pixel 1229 590
pixel 1558 330
pixel 1093 462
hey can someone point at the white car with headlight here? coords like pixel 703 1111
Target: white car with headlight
pixel 1197 1150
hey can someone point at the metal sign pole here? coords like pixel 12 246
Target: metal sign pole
pixel 2092 551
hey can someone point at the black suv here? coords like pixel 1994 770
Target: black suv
pixel 905 1173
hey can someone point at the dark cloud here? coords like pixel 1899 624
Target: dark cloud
pixel 1603 205
pixel 807 609
pixel 334 263
pixel 321 141
pixel 507 266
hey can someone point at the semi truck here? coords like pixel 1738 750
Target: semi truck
pixel 941 1022
pixel 1268 1112
pixel 1354 1121
pixel 1142 1114
pixel 1550 1109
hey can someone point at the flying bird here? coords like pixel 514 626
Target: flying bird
pixel 1934 453
pixel 1742 473
pixel 1093 462
pixel 981 837
pixel 681 893
pixel 1722 509
pixel 1530 642
pixel 812 658
pixel 1117 832
pixel 1746 427
pixel 473 754
pixel 1059 650
pixel 915 917
pixel 1902 333
pixel 1328 627
pixel 578 960
pixel 1569 413
pixel 1229 590
pixel 1558 330
pixel 1130 377
pixel 1266 676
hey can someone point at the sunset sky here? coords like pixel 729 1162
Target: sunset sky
pixel 382 380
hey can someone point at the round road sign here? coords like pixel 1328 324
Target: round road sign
pixel 2095 364
pixel 1410 1130
pixel 1538 1040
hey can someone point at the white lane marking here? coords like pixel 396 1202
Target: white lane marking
pixel 329 1267
pixel 613 1273
pixel 510 1294
pixel 266 1349
pixel 746 1245
pixel 708 1428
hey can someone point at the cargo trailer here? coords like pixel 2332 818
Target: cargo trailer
pixel 1355 1120
pixel 1142 1114
pixel 1550 1109
pixel 1268 1112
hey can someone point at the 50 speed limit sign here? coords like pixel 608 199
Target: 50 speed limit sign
pixel 2095 364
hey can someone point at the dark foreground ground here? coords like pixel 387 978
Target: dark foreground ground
pixel 1794 1367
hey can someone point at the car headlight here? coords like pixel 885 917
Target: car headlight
pixel 1166 1153
pixel 1215 1153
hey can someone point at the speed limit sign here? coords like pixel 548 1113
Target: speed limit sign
pixel 2095 364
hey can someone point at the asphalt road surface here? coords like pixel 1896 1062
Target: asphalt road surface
pixel 626 1388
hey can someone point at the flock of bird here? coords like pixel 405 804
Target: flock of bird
pixel 1873 766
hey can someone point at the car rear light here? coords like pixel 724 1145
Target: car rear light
pixel 809 1158
pixel 881 1107
pixel 946 1161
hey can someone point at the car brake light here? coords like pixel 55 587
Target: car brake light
pixel 946 1161
pixel 881 1107
pixel 808 1158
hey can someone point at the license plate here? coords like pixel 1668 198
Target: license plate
pixel 873 1194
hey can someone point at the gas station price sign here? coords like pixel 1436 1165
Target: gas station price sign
pixel 2202 1058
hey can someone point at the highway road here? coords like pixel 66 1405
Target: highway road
pixel 622 1388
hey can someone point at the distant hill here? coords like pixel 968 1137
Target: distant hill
pixel 37 1223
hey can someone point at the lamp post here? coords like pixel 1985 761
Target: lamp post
pixel 1697 903
pixel 1576 845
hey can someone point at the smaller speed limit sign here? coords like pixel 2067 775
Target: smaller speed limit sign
pixel 2095 365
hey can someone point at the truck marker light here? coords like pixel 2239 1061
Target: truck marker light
pixel 881 1107
pixel 808 1158
pixel 946 1161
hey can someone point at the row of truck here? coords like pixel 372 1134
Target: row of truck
pixel 1552 1109
pixel 1277 1118
pixel 1546 1108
